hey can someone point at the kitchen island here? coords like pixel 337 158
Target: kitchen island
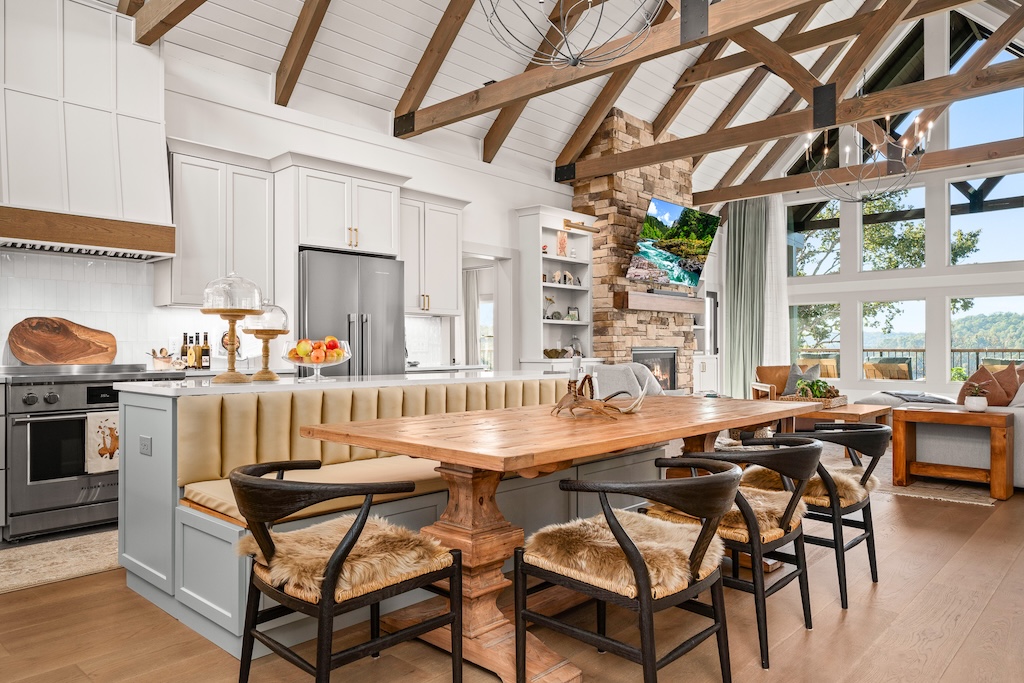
pixel 179 439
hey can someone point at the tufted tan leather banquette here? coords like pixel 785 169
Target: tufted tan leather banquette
pixel 218 433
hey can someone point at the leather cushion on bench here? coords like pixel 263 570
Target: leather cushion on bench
pixel 216 494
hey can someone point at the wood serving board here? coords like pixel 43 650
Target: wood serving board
pixel 56 341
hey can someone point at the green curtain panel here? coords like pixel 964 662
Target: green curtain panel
pixel 746 247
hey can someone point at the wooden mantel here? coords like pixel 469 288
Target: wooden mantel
pixel 665 303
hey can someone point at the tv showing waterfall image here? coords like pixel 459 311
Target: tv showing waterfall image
pixel 673 245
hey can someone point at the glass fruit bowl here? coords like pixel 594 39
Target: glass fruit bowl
pixel 306 353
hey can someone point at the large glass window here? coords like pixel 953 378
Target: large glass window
pixel 814 332
pixel 999 116
pixel 985 219
pixel 985 331
pixel 894 231
pixel 813 239
pixel 893 334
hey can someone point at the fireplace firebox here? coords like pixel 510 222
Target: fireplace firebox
pixel 662 362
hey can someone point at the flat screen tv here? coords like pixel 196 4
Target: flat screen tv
pixel 673 245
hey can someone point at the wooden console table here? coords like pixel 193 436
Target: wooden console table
pixel 999 476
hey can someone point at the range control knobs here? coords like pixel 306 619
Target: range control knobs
pixel 30 399
pixel 51 398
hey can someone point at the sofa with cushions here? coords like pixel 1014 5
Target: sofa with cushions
pixel 179 523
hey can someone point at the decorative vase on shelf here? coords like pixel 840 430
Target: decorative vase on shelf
pixel 976 404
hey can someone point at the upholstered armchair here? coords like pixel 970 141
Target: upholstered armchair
pixel 770 381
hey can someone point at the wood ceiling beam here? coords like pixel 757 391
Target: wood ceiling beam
pixel 724 18
pixel 506 119
pixel 747 156
pixel 831 34
pixel 437 49
pixel 933 92
pixel 754 80
pixel 868 44
pixel 299 44
pixel 681 96
pixel 932 161
pixel 604 102
pixel 129 7
pixel 988 51
pixel 157 17
pixel 793 72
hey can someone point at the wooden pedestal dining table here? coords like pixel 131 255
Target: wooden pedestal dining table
pixel 477 448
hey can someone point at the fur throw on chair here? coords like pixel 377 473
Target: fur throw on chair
pixel 768 506
pixel 586 550
pixel 385 554
pixel 847 481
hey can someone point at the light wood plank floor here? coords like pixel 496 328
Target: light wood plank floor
pixel 949 608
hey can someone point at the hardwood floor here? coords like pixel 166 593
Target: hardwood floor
pixel 949 608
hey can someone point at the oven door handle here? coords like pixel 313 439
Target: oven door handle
pixel 47 418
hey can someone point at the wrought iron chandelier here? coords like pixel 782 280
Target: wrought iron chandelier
pixel 561 33
pixel 885 169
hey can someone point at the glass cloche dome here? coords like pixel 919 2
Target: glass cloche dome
pixel 232 293
pixel 273 318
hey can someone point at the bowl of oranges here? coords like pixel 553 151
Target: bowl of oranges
pixel 318 354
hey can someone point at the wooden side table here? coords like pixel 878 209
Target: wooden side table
pixel 999 476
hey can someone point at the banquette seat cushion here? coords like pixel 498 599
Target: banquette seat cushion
pixel 384 555
pixel 586 550
pixel 216 494
pixel 218 433
pixel 769 508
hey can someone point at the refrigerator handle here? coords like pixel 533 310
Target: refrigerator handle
pixel 367 331
pixel 352 340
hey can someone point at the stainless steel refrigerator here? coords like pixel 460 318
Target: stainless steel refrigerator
pixel 359 299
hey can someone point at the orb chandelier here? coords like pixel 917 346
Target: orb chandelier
pixel 561 33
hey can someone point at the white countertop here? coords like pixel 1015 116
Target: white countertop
pixel 203 386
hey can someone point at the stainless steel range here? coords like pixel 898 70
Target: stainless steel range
pixel 48 487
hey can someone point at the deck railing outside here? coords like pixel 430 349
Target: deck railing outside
pixel 967 359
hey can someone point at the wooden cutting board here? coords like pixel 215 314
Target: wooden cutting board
pixel 56 341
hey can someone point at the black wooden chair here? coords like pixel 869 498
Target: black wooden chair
pixel 836 493
pixel 639 563
pixel 780 513
pixel 335 567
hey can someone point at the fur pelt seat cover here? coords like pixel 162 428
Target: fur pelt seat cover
pixel 847 481
pixel 769 507
pixel 384 555
pixel 586 550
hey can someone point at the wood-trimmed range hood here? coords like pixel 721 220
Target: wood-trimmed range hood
pixel 70 234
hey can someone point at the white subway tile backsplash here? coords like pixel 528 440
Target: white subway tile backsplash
pixel 105 294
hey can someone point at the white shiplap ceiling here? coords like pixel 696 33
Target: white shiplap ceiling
pixel 367 51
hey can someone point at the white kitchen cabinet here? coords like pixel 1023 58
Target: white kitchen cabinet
pixel 705 374
pixel 431 247
pixel 375 216
pixel 341 212
pixel 325 209
pixel 224 223
pixel 250 226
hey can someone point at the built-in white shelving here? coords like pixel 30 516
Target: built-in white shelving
pixel 543 295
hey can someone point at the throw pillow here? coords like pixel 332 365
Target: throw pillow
pixel 813 373
pixel 1018 400
pixel 996 395
pixel 1007 379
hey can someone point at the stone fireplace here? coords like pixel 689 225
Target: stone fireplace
pixel 620 203
pixel 661 361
